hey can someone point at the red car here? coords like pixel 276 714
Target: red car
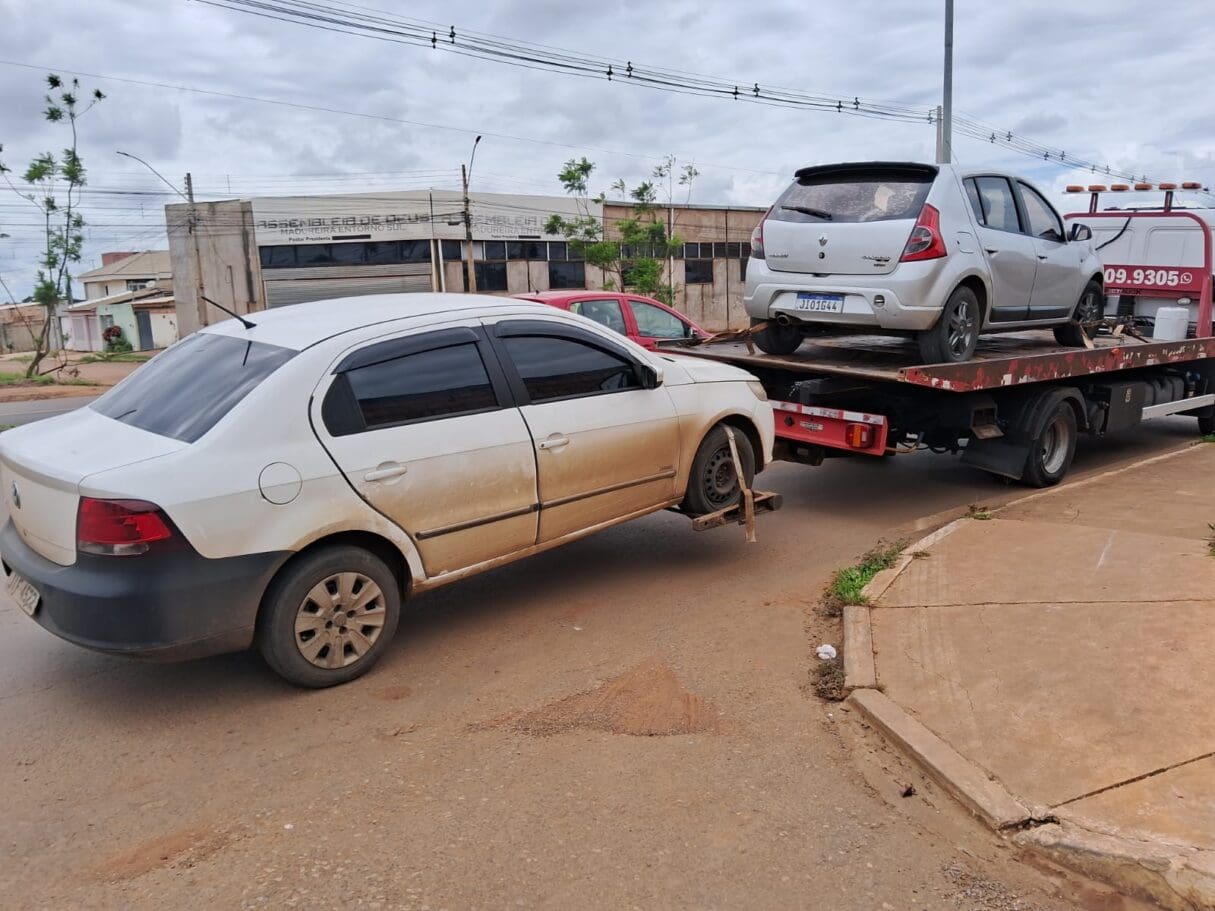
pixel 642 319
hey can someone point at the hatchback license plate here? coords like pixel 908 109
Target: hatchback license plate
pixel 23 593
pixel 820 303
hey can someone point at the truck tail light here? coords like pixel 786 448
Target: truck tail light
pixel 119 528
pixel 925 241
pixel 858 436
pixel 757 236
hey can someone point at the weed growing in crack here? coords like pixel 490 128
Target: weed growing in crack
pixel 847 586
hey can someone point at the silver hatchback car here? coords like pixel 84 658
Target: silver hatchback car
pixel 926 249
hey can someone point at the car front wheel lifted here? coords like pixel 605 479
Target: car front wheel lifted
pixel 328 616
pixel 713 481
pixel 775 338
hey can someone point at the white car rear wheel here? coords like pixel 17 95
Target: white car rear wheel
pixel 329 616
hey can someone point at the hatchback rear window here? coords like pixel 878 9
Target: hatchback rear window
pixel 854 195
pixel 183 392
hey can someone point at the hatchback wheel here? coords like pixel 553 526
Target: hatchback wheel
pixel 775 338
pixel 329 616
pixel 713 481
pixel 1089 309
pixel 956 335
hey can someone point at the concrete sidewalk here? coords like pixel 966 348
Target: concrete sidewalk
pixel 1052 667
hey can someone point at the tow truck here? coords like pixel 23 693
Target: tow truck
pixel 1017 408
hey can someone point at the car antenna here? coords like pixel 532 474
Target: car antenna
pixel 247 323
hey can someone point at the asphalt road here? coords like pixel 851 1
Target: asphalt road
pixel 624 722
pixel 26 412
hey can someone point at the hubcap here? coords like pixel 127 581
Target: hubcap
pixel 720 479
pixel 1088 309
pixel 339 620
pixel 961 326
pixel 1054 445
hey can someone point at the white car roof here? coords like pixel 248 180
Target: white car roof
pixel 300 325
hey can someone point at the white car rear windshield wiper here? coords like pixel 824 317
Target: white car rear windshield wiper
pixel 806 210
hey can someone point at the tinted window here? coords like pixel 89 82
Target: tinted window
pixel 491 276
pixel 277 257
pixel 854 195
pixel 453 250
pixel 314 254
pixel 654 322
pixel 514 249
pixel 349 254
pixel 555 368
pixel 535 249
pixel 972 195
pixel 566 275
pixel 429 384
pixel 556 250
pixel 183 392
pixel 495 249
pixel 1043 222
pixel 698 272
pixel 604 312
pixel 999 209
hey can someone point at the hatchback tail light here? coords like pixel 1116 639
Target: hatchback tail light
pixel 757 237
pixel 119 528
pixel 925 241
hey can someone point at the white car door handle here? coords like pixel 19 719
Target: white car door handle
pixel 554 441
pixel 385 471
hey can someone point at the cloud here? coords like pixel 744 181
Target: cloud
pixel 1072 75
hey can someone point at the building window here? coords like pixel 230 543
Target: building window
pixel 557 251
pixel 698 272
pixel 742 270
pixel 495 249
pixel 137 284
pixel 453 250
pixel 566 275
pixel 535 250
pixel 105 320
pixel 491 276
pixel 514 250
pixel 393 252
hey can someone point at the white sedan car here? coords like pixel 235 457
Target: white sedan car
pixel 289 483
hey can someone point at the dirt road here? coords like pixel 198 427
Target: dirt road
pixel 622 723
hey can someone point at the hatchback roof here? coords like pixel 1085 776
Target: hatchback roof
pixel 299 325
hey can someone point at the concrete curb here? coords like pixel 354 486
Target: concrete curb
pixel 981 794
pixel 860 670
pixel 881 583
pixel 1173 877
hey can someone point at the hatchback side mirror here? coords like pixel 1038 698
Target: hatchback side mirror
pixel 1080 232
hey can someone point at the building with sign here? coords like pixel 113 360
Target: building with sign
pixel 251 254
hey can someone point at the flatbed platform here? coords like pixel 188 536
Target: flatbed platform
pixel 1000 361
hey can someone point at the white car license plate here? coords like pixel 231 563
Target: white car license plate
pixel 820 303
pixel 23 593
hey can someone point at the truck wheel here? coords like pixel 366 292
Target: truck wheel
pixel 1088 310
pixel 775 338
pixel 956 335
pixel 329 616
pixel 1052 447
pixel 712 481
pixel 1206 426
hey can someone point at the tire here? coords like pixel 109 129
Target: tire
pixel 295 616
pixel 712 481
pixel 1088 309
pixel 1052 446
pixel 775 338
pixel 956 335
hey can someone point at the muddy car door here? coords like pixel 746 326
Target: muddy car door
pixel 605 430
pixel 424 428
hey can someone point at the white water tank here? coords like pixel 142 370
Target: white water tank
pixel 1172 323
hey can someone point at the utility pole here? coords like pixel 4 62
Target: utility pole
pixel 945 111
pixel 199 290
pixel 465 177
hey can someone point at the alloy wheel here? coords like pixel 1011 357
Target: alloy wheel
pixel 962 326
pixel 339 620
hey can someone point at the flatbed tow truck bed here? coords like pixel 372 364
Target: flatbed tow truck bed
pixel 1015 409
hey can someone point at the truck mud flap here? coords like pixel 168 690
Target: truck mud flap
pixel 998 456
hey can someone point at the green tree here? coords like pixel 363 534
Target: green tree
pixel 53 185
pixel 637 260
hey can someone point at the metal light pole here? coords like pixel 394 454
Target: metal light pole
pixel 466 176
pixel 188 196
pixel 945 125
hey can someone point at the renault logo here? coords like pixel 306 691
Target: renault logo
pixel 16 496
pixel 822 240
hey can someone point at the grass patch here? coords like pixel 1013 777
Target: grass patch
pixel 847 586
pixel 1209 438
pixel 121 357
pixel 20 379
pixel 829 679
pixel 977 512
pixel 4 427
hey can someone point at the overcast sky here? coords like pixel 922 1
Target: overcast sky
pixel 1115 81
